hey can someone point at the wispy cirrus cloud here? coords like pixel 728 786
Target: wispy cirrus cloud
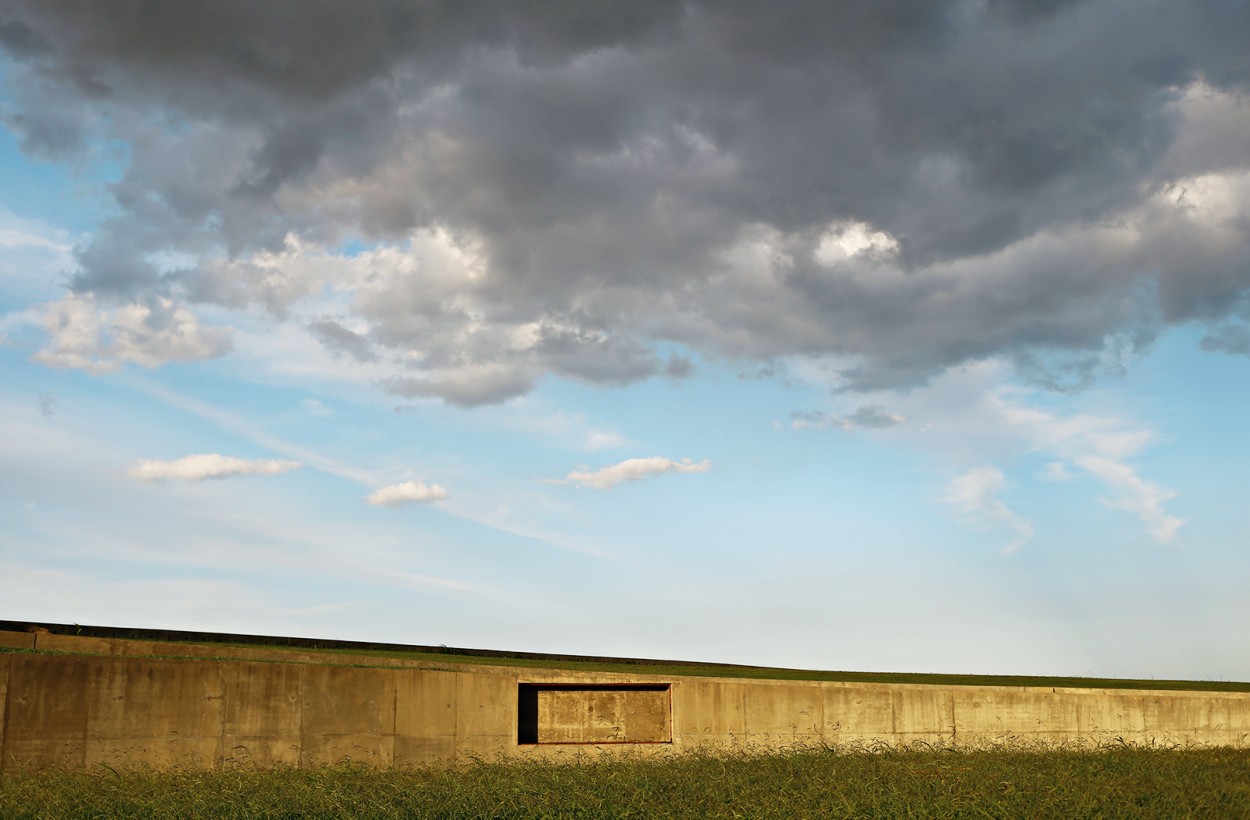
pixel 976 495
pixel 407 492
pixel 1101 447
pixel 1136 495
pixel 976 416
pixel 632 469
pixel 204 466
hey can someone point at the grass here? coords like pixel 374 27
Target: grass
pixel 1117 781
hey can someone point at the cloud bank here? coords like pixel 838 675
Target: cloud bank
pixel 564 190
pixel 205 466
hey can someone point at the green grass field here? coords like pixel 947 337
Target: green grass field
pixel 921 782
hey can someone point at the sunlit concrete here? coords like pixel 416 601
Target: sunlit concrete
pixel 117 702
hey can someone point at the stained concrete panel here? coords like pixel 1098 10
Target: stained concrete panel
pixel 1196 716
pixel 77 643
pixel 1232 712
pixel 425 704
pixel 46 720
pixel 1110 715
pixel 486 713
pixel 343 700
pixel 994 713
pixel 348 715
pixel 708 709
pixel 262 700
pixel 262 714
pixel 1060 714
pixel 17 640
pixel 857 712
pixel 425 716
pixel 5 664
pixel 155 699
pixel 603 715
pixel 792 712
pixel 923 713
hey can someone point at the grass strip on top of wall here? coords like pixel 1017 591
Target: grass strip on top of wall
pixel 827 782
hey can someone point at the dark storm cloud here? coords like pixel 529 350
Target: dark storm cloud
pixel 341 341
pixel 1234 339
pixel 869 416
pixel 489 385
pixel 634 172
pixel 593 357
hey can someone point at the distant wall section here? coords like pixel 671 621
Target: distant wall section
pixel 80 710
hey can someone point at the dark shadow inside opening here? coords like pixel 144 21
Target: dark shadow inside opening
pixel 527 714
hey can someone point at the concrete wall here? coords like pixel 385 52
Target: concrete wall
pixel 80 710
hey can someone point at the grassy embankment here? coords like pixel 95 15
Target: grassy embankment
pixel 1106 782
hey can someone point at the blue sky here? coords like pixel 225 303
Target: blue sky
pixel 535 342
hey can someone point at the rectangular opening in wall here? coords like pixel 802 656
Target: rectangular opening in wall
pixel 594 713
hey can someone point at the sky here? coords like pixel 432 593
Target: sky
pixel 910 335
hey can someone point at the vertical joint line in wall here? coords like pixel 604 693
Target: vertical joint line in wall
pixel 952 697
pixel 4 725
pixel 455 708
pixel 672 718
pixel 224 689
pixel 303 682
pixel 93 682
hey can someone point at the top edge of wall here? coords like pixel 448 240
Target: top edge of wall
pixel 138 642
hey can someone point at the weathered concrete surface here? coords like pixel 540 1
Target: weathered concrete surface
pixel 600 715
pixel 4 712
pixel 17 640
pixel 113 707
pixel 45 723
pixel 262 714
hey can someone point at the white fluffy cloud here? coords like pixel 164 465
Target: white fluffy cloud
pixel 975 494
pixel 633 469
pixel 204 466
pixel 82 335
pixel 407 492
